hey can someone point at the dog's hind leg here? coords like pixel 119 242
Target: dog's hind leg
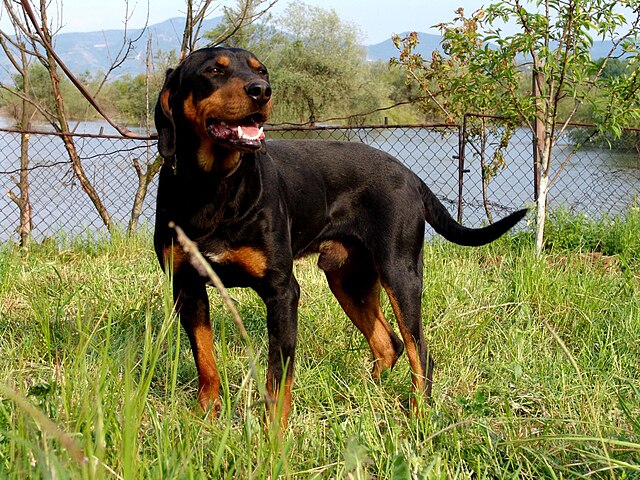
pixel 404 289
pixel 354 282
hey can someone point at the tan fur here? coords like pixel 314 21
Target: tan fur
pixel 418 375
pixel 230 104
pixel 208 378
pixel 174 256
pixel 252 261
pixel 254 63
pixel 367 316
pixel 333 255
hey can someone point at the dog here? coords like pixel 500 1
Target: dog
pixel 254 206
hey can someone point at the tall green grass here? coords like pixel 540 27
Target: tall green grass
pixel 537 368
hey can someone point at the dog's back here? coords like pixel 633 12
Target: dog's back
pixel 373 186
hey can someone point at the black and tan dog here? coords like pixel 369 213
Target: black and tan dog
pixel 253 207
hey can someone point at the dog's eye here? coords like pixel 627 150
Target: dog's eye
pixel 262 71
pixel 214 70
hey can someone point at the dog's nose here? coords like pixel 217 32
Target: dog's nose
pixel 259 90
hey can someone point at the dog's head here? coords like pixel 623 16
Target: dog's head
pixel 220 95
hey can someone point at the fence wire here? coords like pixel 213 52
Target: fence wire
pixel 471 170
pixel 589 174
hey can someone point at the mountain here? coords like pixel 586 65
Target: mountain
pixel 430 42
pixel 385 50
pixel 93 51
pixel 601 49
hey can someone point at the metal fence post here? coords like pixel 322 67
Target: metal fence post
pixel 462 135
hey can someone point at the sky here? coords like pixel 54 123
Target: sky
pixel 378 19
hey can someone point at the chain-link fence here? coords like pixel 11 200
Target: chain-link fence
pixel 589 173
pixel 478 173
pixel 58 203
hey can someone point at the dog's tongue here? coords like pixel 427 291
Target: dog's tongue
pixel 250 131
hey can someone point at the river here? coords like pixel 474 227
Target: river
pixel 593 181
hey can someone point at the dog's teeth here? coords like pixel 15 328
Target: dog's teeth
pixel 224 124
pixel 245 136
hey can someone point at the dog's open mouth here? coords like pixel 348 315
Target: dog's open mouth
pixel 246 134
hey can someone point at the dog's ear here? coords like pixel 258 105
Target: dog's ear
pixel 163 115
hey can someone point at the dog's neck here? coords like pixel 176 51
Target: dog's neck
pixel 217 160
pixel 207 159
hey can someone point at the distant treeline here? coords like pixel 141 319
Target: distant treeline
pixel 318 70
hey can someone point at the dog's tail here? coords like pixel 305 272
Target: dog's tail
pixel 443 223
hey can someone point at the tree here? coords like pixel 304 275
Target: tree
pixel 45 85
pixel 34 34
pixel 316 64
pixel 248 25
pixel 130 98
pixel 320 68
pixel 481 68
pixel 15 48
pixel 41 48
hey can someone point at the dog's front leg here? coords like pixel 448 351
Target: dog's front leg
pixel 281 301
pixel 192 305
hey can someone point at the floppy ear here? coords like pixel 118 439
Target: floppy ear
pixel 164 118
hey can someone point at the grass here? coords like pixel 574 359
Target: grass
pixel 537 368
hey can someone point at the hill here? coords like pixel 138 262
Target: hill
pixel 386 49
pixel 430 42
pixel 93 51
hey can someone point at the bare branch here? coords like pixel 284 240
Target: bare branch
pixel 24 96
pixel 192 26
pixel 15 199
pixel 44 36
pixel 127 43
pixel 245 18
pixel 3 43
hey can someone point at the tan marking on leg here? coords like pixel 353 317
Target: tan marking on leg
pixel 173 257
pixel 381 345
pixel 279 403
pixel 419 379
pixel 208 378
pixel 367 316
